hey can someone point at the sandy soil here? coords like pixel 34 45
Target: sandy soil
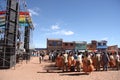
pixel 35 71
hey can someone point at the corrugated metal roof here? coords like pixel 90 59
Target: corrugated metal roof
pixel 53 39
pixel 81 42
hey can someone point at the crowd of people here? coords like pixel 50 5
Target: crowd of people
pixel 40 54
pixel 86 61
pixel 83 61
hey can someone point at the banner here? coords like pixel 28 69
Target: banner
pixel 21 13
pixel 24 19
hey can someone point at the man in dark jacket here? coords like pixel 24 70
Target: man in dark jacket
pixel 105 60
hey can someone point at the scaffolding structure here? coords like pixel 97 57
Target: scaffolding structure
pixel 13 23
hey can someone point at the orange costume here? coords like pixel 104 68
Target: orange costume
pixel 87 65
pixel 59 61
pixel 71 61
pixel 112 61
pixel 94 59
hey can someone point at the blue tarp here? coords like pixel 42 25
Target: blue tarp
pixel 101 47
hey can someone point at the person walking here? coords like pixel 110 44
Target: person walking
pixel 98 60
pixel 117 59
pixel 112 60
pixel 40 58
pixel 79 61
pixel 105 60
pixel 71 62
pixel 87 64
pixel 65 61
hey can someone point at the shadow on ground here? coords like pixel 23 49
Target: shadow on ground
pixel 50 68
pixel 73 74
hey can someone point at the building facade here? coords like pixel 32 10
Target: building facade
pixel 92 47
pixel 102 46
pixel 112 49
pixel 80 46
pixel 68 46
pixel 119 51
pixel 54 44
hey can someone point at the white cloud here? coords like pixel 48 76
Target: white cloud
pixel 56 30
pixel 105 38
pixel 68 32
pixel 64 32
pixel 35 24
pixel 55 27
pixel 34 12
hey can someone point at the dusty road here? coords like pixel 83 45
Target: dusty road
pixel 35 71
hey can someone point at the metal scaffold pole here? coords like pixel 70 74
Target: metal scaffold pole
pixel 27 32
pixel 10 35
pixel 15 29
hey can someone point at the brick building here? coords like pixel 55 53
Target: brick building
pixel 113 48
pixel 119 50
pixel 92 47
pixel 54 44
pixel 80 46
pixel 68 46
pixel 102 45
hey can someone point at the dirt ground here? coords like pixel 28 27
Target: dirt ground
pixel 47 71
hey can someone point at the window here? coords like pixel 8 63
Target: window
pixel 50 43
pixel 99 44
pixel 66 44
pixel 81 44
pixel 59 43
pixel 77 45
pixel 90 46
pixel 104 44
pixel 54 43
pixel 71 44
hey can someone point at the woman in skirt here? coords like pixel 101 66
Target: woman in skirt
pixel 87 65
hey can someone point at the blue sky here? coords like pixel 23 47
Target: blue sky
pixel 75 20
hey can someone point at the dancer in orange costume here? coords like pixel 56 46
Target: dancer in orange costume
pixel 59 61
pixel 87 65
pixel 71 61
pixel 112 61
